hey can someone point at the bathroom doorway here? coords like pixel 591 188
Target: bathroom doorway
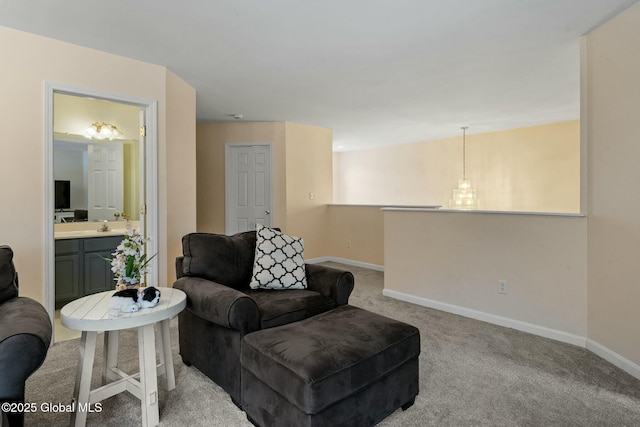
pixel 69 112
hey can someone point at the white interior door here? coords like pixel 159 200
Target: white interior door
pixel 105 170
pixel 248 187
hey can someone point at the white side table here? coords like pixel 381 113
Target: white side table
pixel 90 315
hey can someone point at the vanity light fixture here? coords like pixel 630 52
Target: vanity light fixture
pixel 464 197
pixel 102 130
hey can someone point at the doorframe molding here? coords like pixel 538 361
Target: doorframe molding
pixel 227 153
pixel 150 171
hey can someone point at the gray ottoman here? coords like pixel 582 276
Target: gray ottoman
pixel 345 367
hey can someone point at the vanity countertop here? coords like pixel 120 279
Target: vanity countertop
pixel 85 230
pixel 83 234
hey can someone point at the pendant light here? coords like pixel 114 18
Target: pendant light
pixel 464 196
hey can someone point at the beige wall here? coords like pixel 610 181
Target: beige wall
pixel 309 185
pixel 36 59
pixel 211 139
pixel 613 75
pixel 301 165
pixel 534 169
pixel 179 162
pixel 456 260
pixel 74 114
pixel 356 233
pixel 131 180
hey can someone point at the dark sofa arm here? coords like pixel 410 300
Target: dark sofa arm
pixel 331 282
pixel 22 315
pixel 220 304
pixel 20 356
pixel 25 335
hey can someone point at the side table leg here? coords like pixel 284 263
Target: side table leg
pixel 168 355
pixel 110 354
pixel 159 346
pixel 83 377
pixel 148 376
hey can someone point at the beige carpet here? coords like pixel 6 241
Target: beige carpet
pixel 471 374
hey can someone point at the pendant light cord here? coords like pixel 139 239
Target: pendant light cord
pixel 464 152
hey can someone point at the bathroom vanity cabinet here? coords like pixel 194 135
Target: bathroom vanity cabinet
pixel 80 270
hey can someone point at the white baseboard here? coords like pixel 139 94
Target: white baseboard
pixel 614 358
pixel 318 260
pixel 554 334
pixel 597 348
pixel 490 318
pixel 346 261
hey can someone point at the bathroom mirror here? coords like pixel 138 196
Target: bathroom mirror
pixel 95 179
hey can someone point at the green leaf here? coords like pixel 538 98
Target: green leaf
pixel 129 269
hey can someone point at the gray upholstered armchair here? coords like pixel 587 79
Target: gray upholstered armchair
pixel 215 272
pixel 25 334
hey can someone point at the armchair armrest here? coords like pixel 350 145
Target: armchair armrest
pixel 179 262
pixel 22 315
pixel 25 335
pixel 220 304
pixel 330 282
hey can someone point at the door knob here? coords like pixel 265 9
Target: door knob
pixel 267 212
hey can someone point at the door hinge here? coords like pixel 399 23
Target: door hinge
pixel 143 209
pixel 143 131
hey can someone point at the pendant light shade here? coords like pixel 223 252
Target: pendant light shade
pixel 464 196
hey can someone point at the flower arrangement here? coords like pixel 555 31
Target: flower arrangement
pixel 129 264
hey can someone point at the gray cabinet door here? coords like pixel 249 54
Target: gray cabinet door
pixel 81 269
pixel 97 272
pixel 67 277
pixel 68 266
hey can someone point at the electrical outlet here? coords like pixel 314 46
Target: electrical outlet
pixel 348 243
pixel 312 196
pixel 502 287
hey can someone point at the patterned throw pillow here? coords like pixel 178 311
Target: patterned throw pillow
pixel 279 262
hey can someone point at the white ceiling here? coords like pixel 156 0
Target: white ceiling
pixel 378 72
